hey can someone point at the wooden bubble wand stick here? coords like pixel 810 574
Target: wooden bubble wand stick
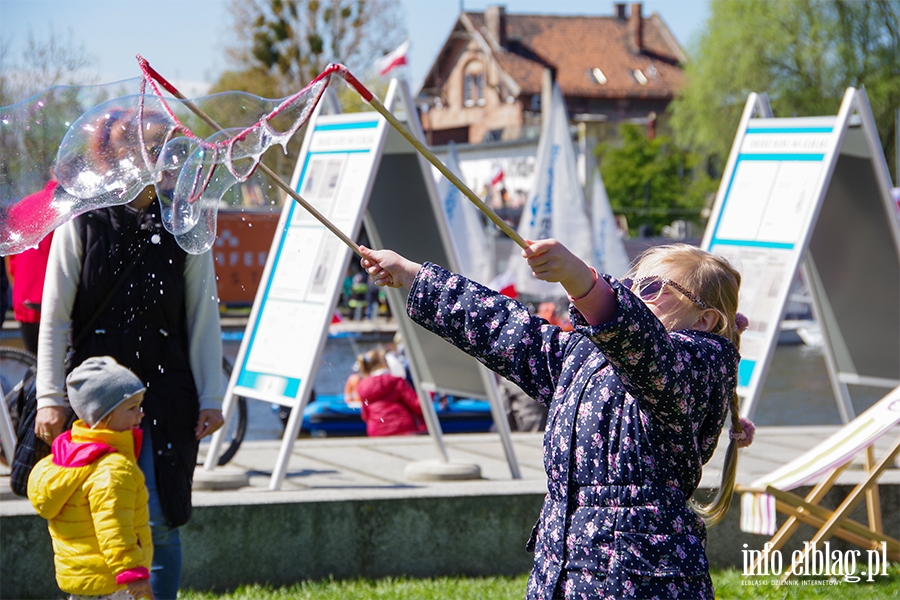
pixel 390 118
pixel 429 155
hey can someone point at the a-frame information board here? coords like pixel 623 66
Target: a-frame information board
pixel 813 193
pixel 348 164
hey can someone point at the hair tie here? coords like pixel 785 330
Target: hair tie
pixel 744 437
pixel 741 322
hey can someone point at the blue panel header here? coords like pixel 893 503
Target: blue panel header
pixel 803 157
pixel 338 126
pixel 751 130
pixel 753 244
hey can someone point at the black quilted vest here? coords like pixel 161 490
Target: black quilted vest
pixel 144 328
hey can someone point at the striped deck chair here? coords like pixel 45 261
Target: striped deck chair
pixel 770 494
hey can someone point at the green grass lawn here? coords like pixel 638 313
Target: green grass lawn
pixel 729 584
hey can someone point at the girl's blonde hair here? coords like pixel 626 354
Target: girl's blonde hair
pixel 371 361
pixel 717 283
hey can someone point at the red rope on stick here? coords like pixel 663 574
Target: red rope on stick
pixel 151 76
pixel 151 73
pixel 352 81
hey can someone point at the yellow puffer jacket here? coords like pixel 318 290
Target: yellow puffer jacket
pixel 93 495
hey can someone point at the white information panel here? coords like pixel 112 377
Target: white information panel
pixel 299 288
pixel 349 165
pixel 283 335
pixel 769 200
pixel 769 219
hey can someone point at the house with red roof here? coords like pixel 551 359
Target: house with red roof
pixel 494 72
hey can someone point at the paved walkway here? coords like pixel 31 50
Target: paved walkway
pixel 360 467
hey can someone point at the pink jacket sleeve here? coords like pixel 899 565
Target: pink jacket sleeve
pixel 409 397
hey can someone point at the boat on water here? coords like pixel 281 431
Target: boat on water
pixel 330 416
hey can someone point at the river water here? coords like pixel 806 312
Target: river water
pixel 796 392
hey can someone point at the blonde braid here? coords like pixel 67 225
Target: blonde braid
pixel 715 281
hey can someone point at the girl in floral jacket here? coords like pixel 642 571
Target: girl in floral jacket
pixel 637 396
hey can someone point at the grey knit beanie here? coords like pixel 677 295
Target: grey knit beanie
pixel 98 385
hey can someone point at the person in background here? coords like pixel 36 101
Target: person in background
pixel 390 406
pixel 638 395
pixel 373 303
pixel 162 323
pixel 523 412
pixel 395 357
pixel 347 282
pixel 357 303
pixel 351 393
pixel 4 292
pixel 26 272
pixel 91 490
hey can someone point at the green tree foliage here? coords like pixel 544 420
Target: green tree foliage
pixel 30 136
pixel 802 53
pixel 653 182
pixel 43 63
pixel 283 44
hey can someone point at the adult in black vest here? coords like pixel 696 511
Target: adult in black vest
pixel 163 324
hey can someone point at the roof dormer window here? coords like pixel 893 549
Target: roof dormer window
pixel 473 84
pixel 640 77
pixel 598 76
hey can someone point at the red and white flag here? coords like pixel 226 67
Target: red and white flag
pixel 396 58
pixel 505 283
pixel 497 177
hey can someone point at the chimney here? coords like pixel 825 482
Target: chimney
pixel 635 27
pixel 620 10
pixel 495 19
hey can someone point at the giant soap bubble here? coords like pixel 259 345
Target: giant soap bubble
pixel 111 146
pixel 31 132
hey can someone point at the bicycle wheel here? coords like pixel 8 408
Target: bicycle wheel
pixel 236 427
pixel 14 363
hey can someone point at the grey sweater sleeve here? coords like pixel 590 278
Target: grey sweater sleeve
pixel 60 286
pixel 204 330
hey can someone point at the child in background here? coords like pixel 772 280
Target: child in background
pixel 26 272
pixel 91 490
pixel 390 405
pixel 351 395
pixel 637 395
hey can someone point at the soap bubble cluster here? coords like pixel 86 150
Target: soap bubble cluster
pixel 106 144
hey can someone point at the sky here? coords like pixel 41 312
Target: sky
pixel 184 40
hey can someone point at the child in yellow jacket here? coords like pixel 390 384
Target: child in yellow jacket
pixel 91 490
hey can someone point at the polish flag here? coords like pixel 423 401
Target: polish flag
pixel 505 283
pixel 389 61
pixel 497 177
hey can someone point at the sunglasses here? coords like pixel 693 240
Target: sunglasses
pixel 650 288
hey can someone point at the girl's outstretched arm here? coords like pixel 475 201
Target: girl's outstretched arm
pixel 550 260
pixel 387 268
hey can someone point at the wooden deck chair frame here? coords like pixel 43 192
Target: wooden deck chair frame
pixel 833 522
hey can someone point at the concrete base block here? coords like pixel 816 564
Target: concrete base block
pixel 222 478
pixel 436 470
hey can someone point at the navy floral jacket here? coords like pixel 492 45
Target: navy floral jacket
pixel 634 413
